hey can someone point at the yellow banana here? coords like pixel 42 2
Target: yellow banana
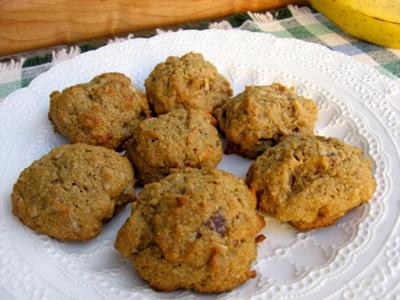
pixel 388 10
pixel 376 21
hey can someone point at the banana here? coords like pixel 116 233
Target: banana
pixel 375 21
pixel 388 10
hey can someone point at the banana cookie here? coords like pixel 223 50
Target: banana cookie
pixel 69 193
pixel 258 117
pixel 193 230
pixel 174 140
pixel 311 181
pixel 102 112
pixel 186 82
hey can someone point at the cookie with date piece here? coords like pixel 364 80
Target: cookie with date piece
pixel 196 229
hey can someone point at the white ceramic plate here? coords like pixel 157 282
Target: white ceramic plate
pixel 357 258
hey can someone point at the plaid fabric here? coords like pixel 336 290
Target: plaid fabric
pixel 300 23
pixel 314 27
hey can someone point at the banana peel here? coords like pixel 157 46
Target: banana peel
pixel 375 24
pixel 388 10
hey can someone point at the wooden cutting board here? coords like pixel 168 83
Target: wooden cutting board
pixel 32 24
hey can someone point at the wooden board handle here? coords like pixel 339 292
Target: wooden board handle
pixel 31 24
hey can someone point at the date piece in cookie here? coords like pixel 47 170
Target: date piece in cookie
pixel 258 117
pixel 311 181
pixel 69 193
pixel 193 230
pixel 174 140
pixel 102 112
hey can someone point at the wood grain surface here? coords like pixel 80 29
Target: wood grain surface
pixel 32 24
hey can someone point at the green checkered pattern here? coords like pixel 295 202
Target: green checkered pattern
pixel 314 27
pixel 292 22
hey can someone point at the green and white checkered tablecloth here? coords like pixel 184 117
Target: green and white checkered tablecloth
pixel 300 23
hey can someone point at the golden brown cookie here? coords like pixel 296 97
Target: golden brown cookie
pixel 193 230
pixel 186 82
pixel 311 181
pixel 69 193
pixel 258 117
pixel 102 112
pixel 174 140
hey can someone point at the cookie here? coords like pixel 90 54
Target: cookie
pixel 258 117
pixel 174 140
pixel 102 112
pixel 69 193
pixel 311 181
pixel 186 82
pixel 193 230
